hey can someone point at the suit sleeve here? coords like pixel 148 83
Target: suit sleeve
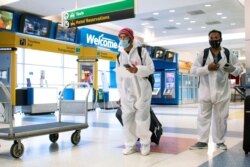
pixel 238 66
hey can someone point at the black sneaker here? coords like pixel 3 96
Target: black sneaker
pixel 198 145
pixel 221 146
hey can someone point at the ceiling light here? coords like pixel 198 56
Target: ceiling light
pixel 219 14
pixel 144 24
pixel 171 11
pixel 156 13
pixel 149 26
pixel 189 29
pixel 5 2
pixel 186 18
pixel 232 24
pixel 192 21
pixel 164 32
pixel 208 5
pixel 224 17
pixel 171 20
pixel 178 23
pixel 203 27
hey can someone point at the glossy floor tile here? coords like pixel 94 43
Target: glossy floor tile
pixel 101 143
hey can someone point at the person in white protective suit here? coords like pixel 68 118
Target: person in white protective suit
pixel 214 91
pixel 135 92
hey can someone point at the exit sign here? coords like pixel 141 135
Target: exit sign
pixel 98 14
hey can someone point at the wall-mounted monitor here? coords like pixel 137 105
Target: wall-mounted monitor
pixel 66 34
pixel 157 84
pixel 6 20
pixel 159 53
pixel 169 56
pixel 34 25
pixel 157 77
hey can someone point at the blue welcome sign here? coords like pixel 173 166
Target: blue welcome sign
pixel 97 39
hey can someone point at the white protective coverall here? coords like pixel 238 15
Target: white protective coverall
pixel 214 96
pixel 135 93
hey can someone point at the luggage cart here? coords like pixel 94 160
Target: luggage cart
pixel 52 129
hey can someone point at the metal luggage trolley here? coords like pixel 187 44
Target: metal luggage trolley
pixel 52 129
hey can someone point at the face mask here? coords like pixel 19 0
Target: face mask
pixel 124 43
pixel 215 43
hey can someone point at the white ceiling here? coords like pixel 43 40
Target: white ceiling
pixel 159 28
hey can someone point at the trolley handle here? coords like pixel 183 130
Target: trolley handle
pixel 86 99
pixel 9 111
pixel 74 85
pixel 6 92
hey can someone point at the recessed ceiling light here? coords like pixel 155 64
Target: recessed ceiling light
pixel 232 24
pixel 144 24
pixel 203 27
pixel 178 23
pixel 192 21
pixel 219 14
pixel 224 17
pixel 189 29
pixel 171 20
pixel 164 32
pixel 186 18
pixel 151 27
pixel 171 11
pixel 208 5
pixel 156 13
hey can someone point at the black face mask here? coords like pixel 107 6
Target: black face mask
pixel 215 43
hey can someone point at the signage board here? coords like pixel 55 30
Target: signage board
pixel 99 40
pixel 118 10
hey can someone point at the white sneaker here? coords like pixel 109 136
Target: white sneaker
pixel 128 150
pixel 145 149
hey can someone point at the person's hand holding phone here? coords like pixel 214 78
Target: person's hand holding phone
pixel 131 69
pixel 229 68
pixel 126 65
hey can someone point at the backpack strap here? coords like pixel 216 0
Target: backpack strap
pixel 117 57
pixel 139 50
pixel 227 53
pixel 206 51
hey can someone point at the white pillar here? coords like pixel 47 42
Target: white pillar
pixel 247 47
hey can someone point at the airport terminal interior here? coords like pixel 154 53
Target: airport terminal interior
pixel 58 90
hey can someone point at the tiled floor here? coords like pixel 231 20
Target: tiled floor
pixel 102 142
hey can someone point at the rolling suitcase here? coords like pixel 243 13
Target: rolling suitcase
pixel 246 133
pixel 155 125
pixel 155 128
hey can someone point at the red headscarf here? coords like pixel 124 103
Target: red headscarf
pixel 128 32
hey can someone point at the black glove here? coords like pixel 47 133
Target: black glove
pixel 229 68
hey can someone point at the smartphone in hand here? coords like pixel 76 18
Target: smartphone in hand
pixel 126 65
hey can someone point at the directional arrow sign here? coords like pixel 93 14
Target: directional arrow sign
pixel 96 14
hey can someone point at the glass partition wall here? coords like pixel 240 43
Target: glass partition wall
pixel 45 69
pixel 188 88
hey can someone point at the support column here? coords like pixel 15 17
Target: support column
pixel 247 47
